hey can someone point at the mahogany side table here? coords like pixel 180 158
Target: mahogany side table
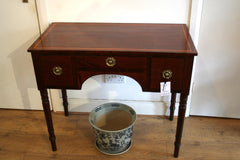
pixel 67 54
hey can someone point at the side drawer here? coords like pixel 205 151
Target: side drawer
pixel 119 64
pixel 56 71
pixel 174 65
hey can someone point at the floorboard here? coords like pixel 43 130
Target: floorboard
pixel 23 136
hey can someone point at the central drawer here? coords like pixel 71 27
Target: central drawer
pixel 134 67
pixel 111 63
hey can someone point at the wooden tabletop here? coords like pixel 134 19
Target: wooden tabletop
pixel 124 37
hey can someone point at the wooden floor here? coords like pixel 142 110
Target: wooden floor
pixel 23 136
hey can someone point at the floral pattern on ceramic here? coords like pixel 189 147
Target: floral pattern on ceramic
pixel 115 141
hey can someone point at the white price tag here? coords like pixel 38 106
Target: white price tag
pixel 165 88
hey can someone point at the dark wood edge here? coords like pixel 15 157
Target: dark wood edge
pixel 31 48
pixel 187 74
pixel 37 70
pixel 189 39
pixel 113 53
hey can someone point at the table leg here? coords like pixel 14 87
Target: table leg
pixel 180 122
pixel 172 107
pixel 48 117
pixel 65 101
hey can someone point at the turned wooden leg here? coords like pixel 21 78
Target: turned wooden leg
pixel 172 107
pixel 48 117
pixel 65 101
pixel 180 122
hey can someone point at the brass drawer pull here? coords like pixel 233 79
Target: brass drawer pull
pixel 167 74
pixel 110 61
pixel 57 70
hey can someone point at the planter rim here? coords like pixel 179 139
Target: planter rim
pixel 114 131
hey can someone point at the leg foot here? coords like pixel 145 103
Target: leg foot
pixel 53 143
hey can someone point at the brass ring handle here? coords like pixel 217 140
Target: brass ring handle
pixel 110 61
pixel 167 74
pixel 57 70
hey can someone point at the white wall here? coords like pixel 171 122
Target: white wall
pixel 43 18
pixel 216 89
pixel 154 11
pixel 18 30
pixel 94 90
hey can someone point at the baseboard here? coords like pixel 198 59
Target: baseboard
pixel 141 107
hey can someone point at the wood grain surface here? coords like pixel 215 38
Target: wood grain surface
pixel 23 136
pixel 116 37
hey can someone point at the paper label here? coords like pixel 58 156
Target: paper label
pixel 165 88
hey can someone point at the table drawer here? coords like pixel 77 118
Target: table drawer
pixel 109 63
pixel 172 67
pixel 57 71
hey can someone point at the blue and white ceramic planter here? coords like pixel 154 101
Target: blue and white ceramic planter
pixel 117 141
